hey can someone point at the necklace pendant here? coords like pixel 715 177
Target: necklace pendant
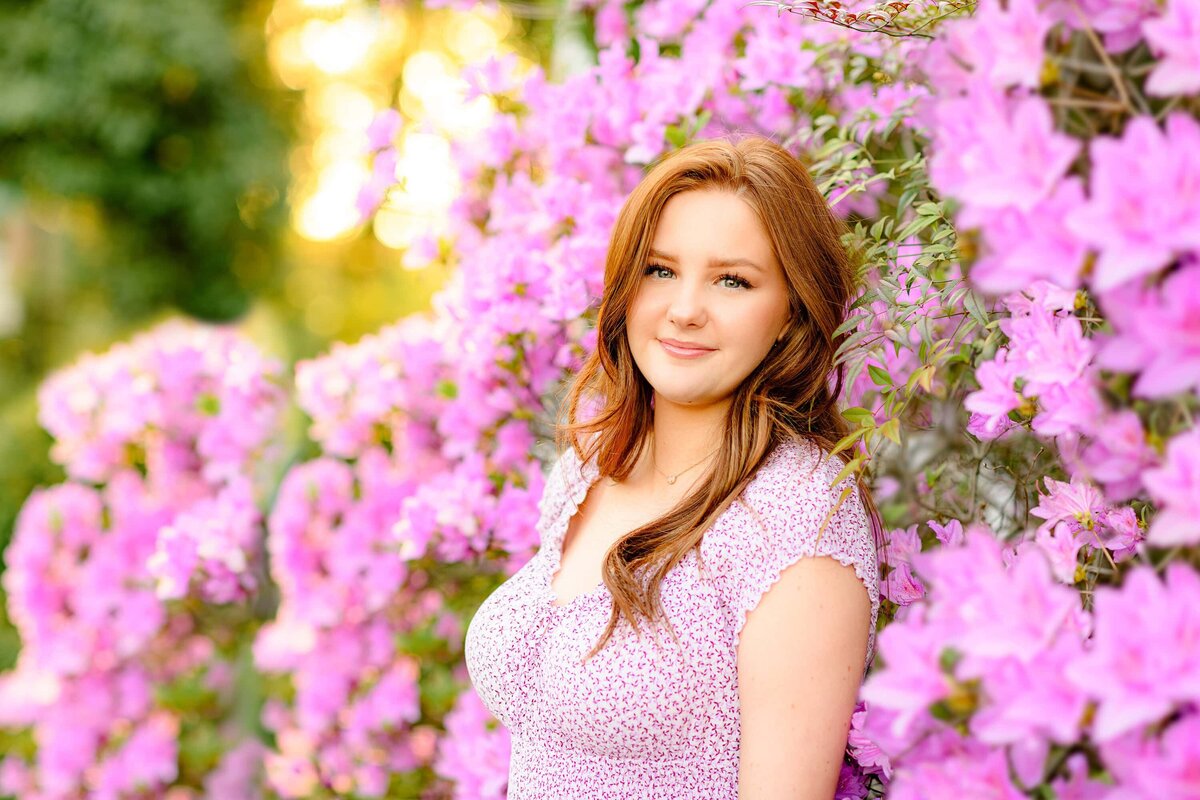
pixel 671 479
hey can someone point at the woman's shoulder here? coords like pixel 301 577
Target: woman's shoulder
pixel 794 507
pixel 796 474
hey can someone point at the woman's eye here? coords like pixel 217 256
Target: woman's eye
pixel 728 280
pixel 656 270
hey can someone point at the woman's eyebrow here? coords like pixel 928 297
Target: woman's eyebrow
pixel 717 263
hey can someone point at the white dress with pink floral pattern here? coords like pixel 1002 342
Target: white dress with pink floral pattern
pixel 649 717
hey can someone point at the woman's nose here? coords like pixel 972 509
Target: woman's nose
pixel 687 304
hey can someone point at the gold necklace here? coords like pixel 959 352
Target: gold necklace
pixel 672 478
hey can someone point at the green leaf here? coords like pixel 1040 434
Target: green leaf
pixel 850 468
pixel 850 324
pixel 879 376
pixel 906 197
pixel 676 136
pixel 859 416
pixel 975 308
pixel 916 226
pixel 847 441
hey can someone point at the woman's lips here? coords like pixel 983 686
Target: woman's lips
pixel 681 350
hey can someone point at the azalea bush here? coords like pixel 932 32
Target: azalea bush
pixel 1023 185
pixel 130 583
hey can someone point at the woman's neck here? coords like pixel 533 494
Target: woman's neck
pixel 684 436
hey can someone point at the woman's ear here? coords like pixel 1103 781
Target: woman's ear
pixel 787 326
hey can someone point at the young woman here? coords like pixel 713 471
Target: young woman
pixel 702 609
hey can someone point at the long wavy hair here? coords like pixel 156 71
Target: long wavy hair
pixel 792 393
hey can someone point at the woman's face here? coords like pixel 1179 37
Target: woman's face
pixel 711 302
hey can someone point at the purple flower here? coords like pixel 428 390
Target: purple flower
pixel 851 784
pixel 996 396
pixel 1157 333
pixel 1021 246
pixel 1173 36
pixel 993 152
pixel 1176 487
pixel 1143 207
pixel 1163 766
pixel 1145 653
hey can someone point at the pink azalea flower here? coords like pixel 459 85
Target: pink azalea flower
pixel 1030 701
pixel 996 396
pixel 474 754
pixel 1077 501
pixel 1052 349
pixel 1176 487
pixel 1022 246
pixel 1116 457
pixel 1004 44
pixel 611 23
pixel 1145 653
pixel 1157 333
pixel 1120 531
pixel 991 151
pixel 913 679
pixel 865 751
pixel 1119 21
pixel 1061 546
pixel 1000 611
pixel 950 534
pixel 776 59
pixel 1067 409
pixel 902 544
pixel 1173 36
pixel 1144 204
pixel 1165 766
pixel 494 75
pixel 382 131
pixel 901 586
pixel 978 775
pixel 1077 785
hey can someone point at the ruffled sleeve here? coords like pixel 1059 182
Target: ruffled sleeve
pixel 783 515
pixel 567 485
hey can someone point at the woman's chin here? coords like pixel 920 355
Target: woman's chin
pixel 683 396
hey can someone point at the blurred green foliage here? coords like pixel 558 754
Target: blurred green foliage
pixel 143 171
pixel 157 113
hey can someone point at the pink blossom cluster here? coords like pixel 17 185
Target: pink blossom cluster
pixel 994 680
pixel 161 439
pixel 192 405
pixel 350 591
pixel 1000 666
pixel 475 750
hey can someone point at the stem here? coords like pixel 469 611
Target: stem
pixel 1077 102
pixel 1098 46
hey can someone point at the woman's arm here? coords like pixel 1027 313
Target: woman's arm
pixel 800 664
